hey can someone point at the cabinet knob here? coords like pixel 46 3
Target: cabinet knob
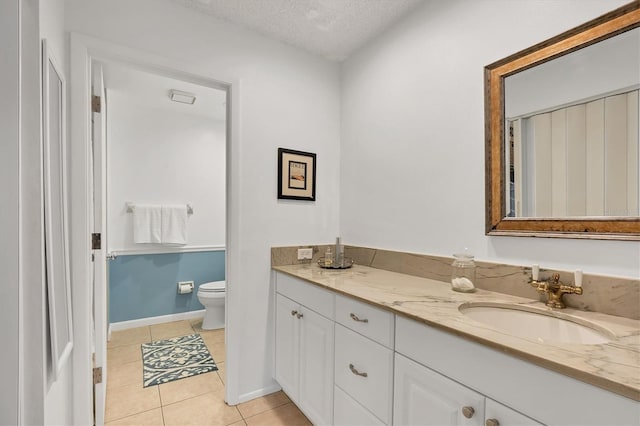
pixel 492 422
pixel 468 412
pixel 299 315
pixel 355 318
pixel 356 372
pixel 294 313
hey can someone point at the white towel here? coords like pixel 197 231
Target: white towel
pixel 147 223
pixel 174 224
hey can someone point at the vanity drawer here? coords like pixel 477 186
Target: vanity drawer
pixel 357 356
pixel 348 412
pixel 309 295
pixel 372 322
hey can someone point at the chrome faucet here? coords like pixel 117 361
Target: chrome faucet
pixel 554 289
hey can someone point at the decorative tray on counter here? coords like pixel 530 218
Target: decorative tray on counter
pixel 347 263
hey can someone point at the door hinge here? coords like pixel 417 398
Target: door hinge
pixel 97 375
pixel 95 103
pixel 96 241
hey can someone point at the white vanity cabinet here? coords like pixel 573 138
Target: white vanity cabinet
pixel 305 347
pixel 364 360
pixel 424 397
pixel 515 392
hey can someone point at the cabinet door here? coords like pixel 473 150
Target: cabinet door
pixel 424 397
pixel 287 345
pixel 505 416
pixel 316 367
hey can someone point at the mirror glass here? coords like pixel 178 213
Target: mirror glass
pixel 571 133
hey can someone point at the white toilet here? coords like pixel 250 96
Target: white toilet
pixel 212 296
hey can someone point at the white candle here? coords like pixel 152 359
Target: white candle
pixel 578 278
pixel 535 270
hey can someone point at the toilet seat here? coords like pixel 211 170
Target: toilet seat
pixel 213 287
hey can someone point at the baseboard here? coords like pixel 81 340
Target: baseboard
pixel 274 387
pixel 123 325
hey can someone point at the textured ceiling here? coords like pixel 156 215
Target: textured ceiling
pixel 331 28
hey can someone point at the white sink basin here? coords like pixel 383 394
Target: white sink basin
pixel 541 326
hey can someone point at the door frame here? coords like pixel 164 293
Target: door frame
pixel 85 49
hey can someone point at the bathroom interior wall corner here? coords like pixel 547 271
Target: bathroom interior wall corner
pixel 413 123
pixel 286 98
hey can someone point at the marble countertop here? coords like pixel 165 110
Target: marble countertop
pixel 614 366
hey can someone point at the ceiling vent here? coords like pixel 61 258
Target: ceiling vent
pixel 182 97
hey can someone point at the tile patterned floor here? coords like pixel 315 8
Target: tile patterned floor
pixel 197 400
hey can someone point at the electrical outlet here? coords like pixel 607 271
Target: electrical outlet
pixel 305 253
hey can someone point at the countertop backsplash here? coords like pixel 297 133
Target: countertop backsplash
pixel 604 294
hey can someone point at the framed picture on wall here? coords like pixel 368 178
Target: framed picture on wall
pixel 296 175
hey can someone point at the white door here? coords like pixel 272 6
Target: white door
pixel 287 344
pixel 316 367
pixel 99 227
pixel 424 397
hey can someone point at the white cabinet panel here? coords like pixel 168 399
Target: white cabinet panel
pixel 313 297
pixel 348 412
pixel 357 356
pixel 374 323
pixel 424 397
pixel 316 367
pixel 287 345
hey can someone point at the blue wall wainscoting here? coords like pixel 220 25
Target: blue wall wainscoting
pixel 146 285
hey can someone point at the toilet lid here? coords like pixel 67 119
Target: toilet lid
pixel 213 287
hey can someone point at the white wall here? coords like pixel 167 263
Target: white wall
pixel 413 134
pixel 9 214
pixel 58 402
pixel 156 156
pixel 287 98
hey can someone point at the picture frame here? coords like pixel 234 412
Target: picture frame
pixel 55 213
pixel 296 175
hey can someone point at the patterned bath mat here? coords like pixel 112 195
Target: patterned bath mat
pixel 172 359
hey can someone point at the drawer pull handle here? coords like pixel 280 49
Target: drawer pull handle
pixel 294 313
pixel 356 372
pixel 468 412
pixel 492 422
pixel 355 318
pixel 299 315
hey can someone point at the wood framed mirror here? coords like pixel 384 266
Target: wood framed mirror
pixel 561 132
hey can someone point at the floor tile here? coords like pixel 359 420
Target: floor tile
pixel 182 389
pixel 203 410
pixel 196 324
pixel 124 374
pixel 216 349
pixel 170 329
pixel 222 371
pixel 285 415
pixel 240 423
pixel 127 400
pixel 262 404
pixel 123 354
pixel 148 418
pixel 214 336
pixel 129 337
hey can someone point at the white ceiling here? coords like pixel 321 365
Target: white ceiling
pixel 331 28
pixel 152 91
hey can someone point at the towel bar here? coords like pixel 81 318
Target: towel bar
pixel 130 207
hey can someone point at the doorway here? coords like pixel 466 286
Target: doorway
pixel 90 344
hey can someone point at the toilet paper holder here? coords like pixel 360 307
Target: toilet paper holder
pixel 185 287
